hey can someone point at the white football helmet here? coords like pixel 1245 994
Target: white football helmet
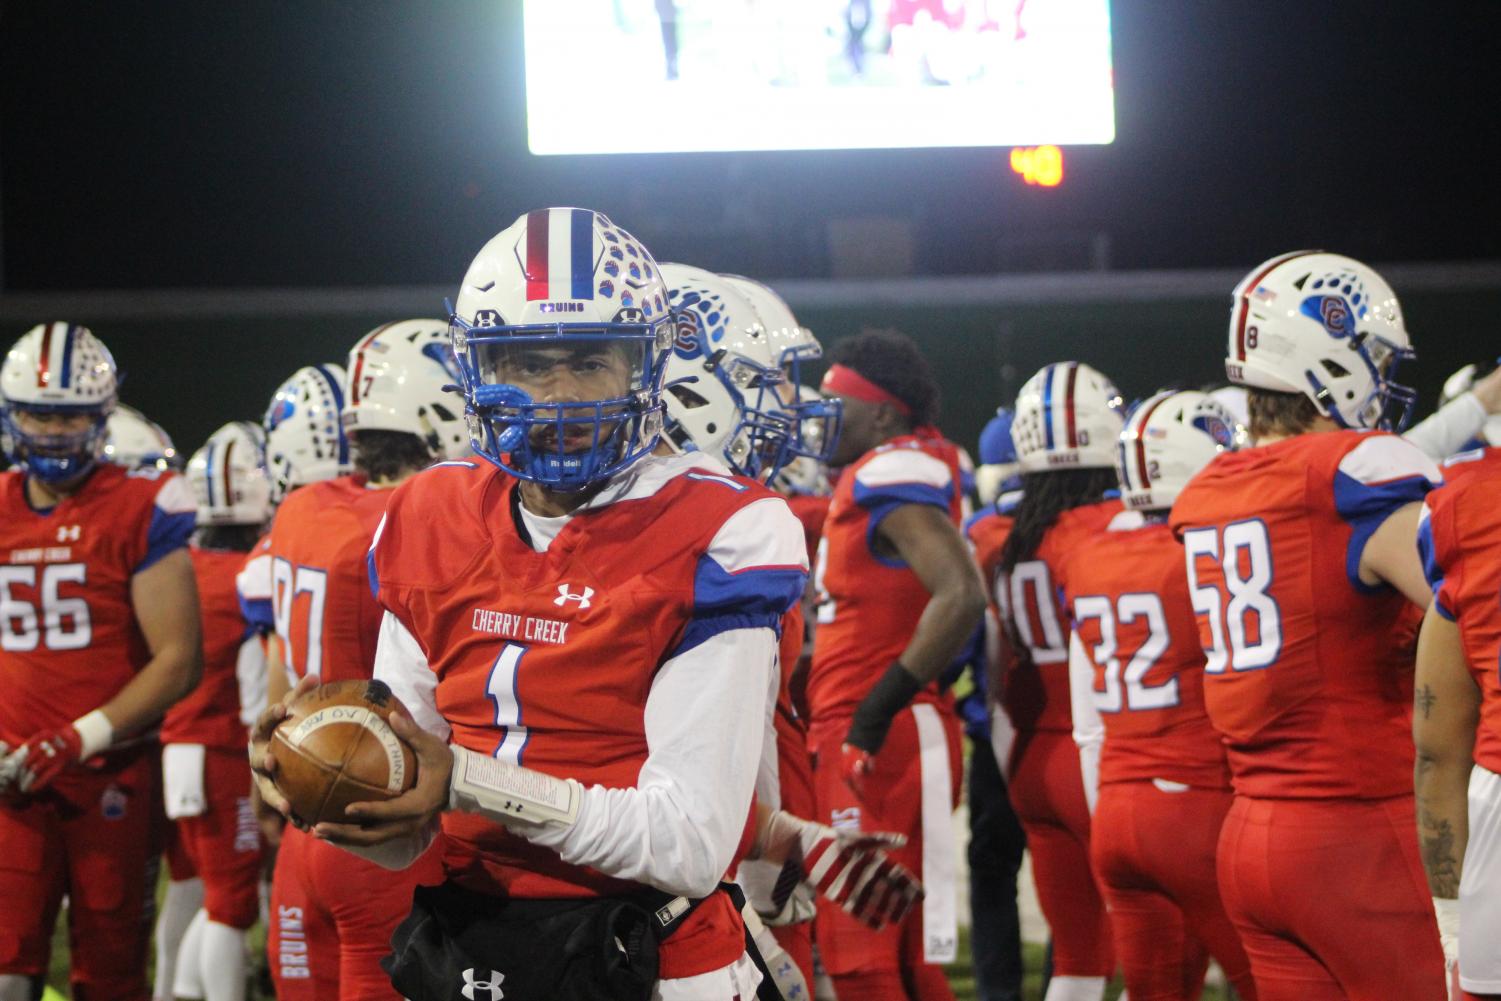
pixel 56 368
pixel 561 278
pixel 1067 416
pixel 1328 327
pixel 305 442
pixel 818 417
pixel 397 378
pixel 1167 439
pixel 137 442
pixel 228 476
pixel 725 390
pixel 1462 382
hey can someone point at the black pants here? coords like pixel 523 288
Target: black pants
pixel 996 843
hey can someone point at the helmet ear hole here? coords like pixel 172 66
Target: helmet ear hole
pixel 687 397
pixel 1334 368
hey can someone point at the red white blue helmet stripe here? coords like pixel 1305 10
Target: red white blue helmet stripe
pixel 559 254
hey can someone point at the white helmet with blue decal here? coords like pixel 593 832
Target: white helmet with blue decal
pixel 399 377
pixel 135 441
pixel 1167 439
pixel 1067 416
pixel 819 418
pixel 305 442
pixel 53 372
pixel 1328 327
pixel 229 478
pixel 724 386
pixel 561 331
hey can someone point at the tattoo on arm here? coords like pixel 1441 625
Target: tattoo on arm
pixel 1424 700
pixel 1438 856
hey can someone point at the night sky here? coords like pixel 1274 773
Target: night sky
pixel 175 144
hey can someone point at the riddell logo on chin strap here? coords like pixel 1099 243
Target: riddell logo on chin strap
pixel 565 595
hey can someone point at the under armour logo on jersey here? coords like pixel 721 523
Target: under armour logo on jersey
pixel 565 596
pixel 68 533
pixel 490 987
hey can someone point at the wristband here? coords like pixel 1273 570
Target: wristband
pixel 95 734
pixel 873 715
pixel 509 793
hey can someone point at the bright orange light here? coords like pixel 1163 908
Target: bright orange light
pixel 1041 165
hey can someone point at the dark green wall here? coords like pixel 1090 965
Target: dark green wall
pixel 192 375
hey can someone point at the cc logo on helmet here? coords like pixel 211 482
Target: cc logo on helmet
pixel 688 333
pixel 1332 311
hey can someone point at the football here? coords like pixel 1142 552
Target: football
pixel 335 748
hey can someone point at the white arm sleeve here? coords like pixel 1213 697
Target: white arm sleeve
pixel 399 662
pixel 677 829
pixel 1446 431
pixel 1089 728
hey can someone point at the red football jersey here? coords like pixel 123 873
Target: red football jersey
pixel 546 659
pixel 1309 670
pixel 68 634
pixel 1035 695
pixel 812 511
pixel 1460 539
pixel 868 603
pixel 1129 600
pixel 210 714
pixel 1464 464
pixel 326 617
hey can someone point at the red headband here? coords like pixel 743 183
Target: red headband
pixel 842 380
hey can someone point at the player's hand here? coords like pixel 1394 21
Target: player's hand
pixel 41 759
pixel 409 813
pixel 856 764
pixel 270 821
pixel 263 763
pixel 7 769
pixel 848 868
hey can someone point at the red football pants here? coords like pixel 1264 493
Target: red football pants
pixel 222 845
pixel 893 802
pixel 1154 855
pixel 1047 791
pixel 332 917
pixel 1331 900
pixel 94 836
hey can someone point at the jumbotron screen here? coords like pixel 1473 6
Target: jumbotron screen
pixel 658 76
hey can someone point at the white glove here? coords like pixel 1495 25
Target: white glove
pixel 848 868
pixel 9 768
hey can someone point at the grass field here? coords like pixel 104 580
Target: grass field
pixel 961 977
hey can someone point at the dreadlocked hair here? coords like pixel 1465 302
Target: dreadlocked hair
pixel 891 360
pixel 1044 497
pixel 389 455
pixel 229 538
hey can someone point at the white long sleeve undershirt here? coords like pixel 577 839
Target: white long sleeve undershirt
pixel 677 829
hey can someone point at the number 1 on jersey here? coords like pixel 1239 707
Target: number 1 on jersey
pixel 501 690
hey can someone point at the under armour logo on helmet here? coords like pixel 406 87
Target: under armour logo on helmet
pixel 565 596
pixel 490 987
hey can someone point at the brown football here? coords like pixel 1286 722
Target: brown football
pixel 336 748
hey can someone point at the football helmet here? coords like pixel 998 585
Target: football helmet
pixel 998 471
pixel 562 288
pixel 818 417
pixel 137 442
pixel 399 377
pixel 229 478
pixel 1167 439
pixel 56 368
pixel 305 441
pixel 1328 327
pixel 725 391
pixel 1067 416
